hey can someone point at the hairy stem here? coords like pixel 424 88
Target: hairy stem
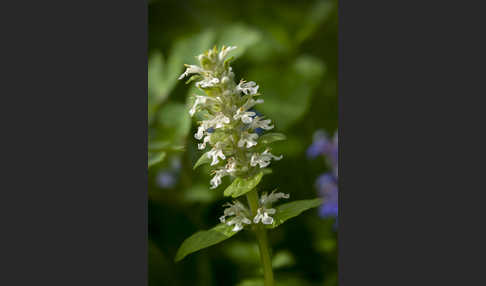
pixel 261 235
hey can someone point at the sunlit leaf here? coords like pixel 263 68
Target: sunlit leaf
pixel 241 186
pixel 289 210
pixel 204 239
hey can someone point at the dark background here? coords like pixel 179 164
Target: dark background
pixel 290 49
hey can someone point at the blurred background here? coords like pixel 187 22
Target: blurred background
pixel 289 48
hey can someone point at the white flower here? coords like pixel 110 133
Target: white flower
pixel 200 132
pixel 229 108
pixel 238 221
pixel 191 69
pixel 216 153
pixel 199 100
pixel 239 215
pixel 231 165
pixel 219 120
pixel 207 82
pixel 247 87
pixel 248 138
pixel 250 103
pixel 201 146
pixel 258 122
pixel 273 197
pixel 216 180
pixel 246 116
pixel 263 215
pixel 224 51
pixel 263 159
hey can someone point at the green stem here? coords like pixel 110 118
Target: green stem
pixel 262 239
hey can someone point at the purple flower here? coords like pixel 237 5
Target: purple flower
pixel 328 189
pixel 322 144
pixel 327 183
pixel 166 180
pixel 168 177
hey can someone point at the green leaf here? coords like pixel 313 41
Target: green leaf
pixel 204 239
pixel 202 160
pixel 292 209
pixel 271 137
pixel 155 158
pixel 241 186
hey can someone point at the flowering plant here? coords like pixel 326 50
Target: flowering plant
pixel 238 147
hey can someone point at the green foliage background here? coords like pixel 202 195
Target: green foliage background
pixel 290 49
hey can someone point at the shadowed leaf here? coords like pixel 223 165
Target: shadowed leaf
pixel 204 239
pixel 292 209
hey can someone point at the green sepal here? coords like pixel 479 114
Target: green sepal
pixel 204 239
pixel 289 210
pixel 228 61
pixel 193 78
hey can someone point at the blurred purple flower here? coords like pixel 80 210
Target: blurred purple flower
pixel 166 179
pixel 327 183
pixel 322 144
pixel 328 189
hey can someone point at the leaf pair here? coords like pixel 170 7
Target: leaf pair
pixel 221 232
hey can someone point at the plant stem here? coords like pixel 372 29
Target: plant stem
pixel 261 235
